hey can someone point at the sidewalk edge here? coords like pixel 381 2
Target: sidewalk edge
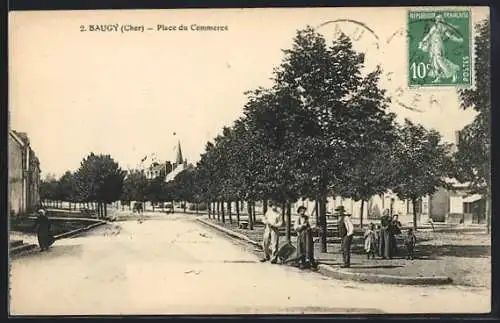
pixel 332 272
pixel 230 233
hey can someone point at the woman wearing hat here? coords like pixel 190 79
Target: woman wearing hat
pixel 386 242
pixel 45 239
pixel 305 252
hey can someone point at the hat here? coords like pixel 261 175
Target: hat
pixel 41 212
pixel 340 209
pixel 301 208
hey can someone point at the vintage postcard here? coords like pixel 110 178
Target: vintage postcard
pixel 250 161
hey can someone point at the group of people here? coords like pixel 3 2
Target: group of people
pixel 273 220
pixel 379 241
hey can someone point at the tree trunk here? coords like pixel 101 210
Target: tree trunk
pixel 250 217
pixel 238 212
pixel 184 208
pixel 209 206
pixel 229 212
pixel 289 221
pixel 218 211
pixel 323 224
pixel 414 203
pixel 361 215
pixel 254 214
pixel 316 211
pixel 105 210
pixel 264 206
pixel 223 212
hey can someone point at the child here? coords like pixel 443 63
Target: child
pixel 370 241
pixel 410 241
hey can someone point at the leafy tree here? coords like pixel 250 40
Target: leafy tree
pixel 155 190
pixel 474 149
pixel 67 188
pixel 135 186
pixel 348 111
pixel 48 189
pixel 423 163
pixel 99 179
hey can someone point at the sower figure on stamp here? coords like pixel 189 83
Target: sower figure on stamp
pixel 305 245
pixel 433 43
pixel 270 243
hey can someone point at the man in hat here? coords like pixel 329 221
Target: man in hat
pixel 346 233
pixel 273 221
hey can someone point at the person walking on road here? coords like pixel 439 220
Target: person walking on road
pixel 42 223
pixel 305 245
pixel 346 232
pixel 270 243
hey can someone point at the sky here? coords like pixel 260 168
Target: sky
pixel 136 93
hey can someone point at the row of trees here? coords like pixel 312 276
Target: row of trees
pixel 323 129
pixel 100 181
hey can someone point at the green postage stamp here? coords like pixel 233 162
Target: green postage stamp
pixel 439 48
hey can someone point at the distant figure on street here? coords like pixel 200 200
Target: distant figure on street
pixel 346 232
pixel 385 247
pixel 371 241
pixel 42 223
pixel 138 206
pixel 410 242
pixel 270 243
pixel 395 231
pixel 305 245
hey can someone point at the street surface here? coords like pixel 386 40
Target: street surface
pixel 174 265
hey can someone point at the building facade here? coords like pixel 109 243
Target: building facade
pixel 24 174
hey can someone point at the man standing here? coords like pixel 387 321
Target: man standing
pixel 273 221
pixel 347 231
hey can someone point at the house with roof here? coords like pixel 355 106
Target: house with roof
pixel 24 174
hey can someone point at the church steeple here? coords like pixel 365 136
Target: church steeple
pixel 179 160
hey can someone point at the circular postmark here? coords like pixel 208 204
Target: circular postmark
pixel 378 51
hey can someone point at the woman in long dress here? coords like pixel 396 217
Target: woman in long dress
pixel 433 43
pixel 45 238
pixel 305 252
pixel 385 245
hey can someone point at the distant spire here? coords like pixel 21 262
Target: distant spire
pixel 179 160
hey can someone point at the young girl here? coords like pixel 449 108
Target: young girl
pixel 410 241
pixel 370 241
